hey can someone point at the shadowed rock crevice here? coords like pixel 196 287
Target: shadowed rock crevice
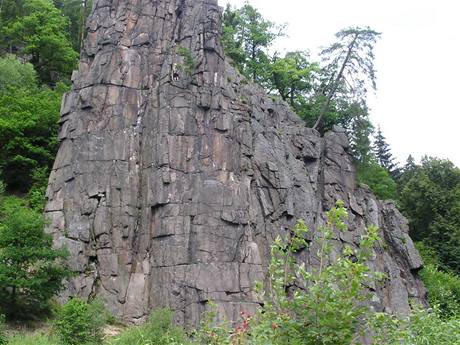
pixel 174 174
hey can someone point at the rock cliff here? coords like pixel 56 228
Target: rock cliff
pixel 174 174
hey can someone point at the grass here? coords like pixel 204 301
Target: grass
pixel 33 339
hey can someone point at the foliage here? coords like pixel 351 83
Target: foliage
pixel 329 298
pixel 359 130
pixel 188 64
pixel 79 322
pixel 41 31
pixel 14 73
pixel 442 284
pixel 378 179
pixel 231 40
pixel 431 201
pixel 30 271
pixel 246 39
pixel 28 127
pixel 3 339
pixel 383 154
pixel 349 68
pixel 293 77
pixel 36 194
pixel 158 330
pixel 421 327
pixel 77 11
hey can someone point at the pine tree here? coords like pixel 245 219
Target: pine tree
pixel 410 165
pixel 383 154
pixel 359 134
pixel 407 172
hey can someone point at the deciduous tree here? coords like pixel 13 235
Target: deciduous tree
pixel 41 32
pixel 29 272
pixel 247 31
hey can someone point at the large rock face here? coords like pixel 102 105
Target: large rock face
pixel 174 174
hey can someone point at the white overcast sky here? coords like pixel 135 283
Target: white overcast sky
pixel 417 61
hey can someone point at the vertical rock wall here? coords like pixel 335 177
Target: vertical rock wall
pixel 174 174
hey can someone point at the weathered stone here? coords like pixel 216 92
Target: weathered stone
pixel 171 183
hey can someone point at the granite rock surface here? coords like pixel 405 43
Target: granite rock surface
pixel 174 174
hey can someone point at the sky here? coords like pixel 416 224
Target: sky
pixel 417 62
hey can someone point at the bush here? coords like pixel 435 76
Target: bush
pixel 328 307
pixel 378 179
pixel 442 284
pixel 13 72
pixel 30 271
pixel 158 330
pixel 422 327
pixel 79 322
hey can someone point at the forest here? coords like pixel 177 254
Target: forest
pixel 40 43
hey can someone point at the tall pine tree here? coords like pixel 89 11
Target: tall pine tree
pixel 383 154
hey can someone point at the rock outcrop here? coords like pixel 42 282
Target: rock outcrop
pixel 174 174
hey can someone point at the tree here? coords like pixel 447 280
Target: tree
pixel 28 125
pixel 383 154
pixel 293 77
pixel 377 179
pixel 77 11
pixel 431 201
pixel 30 273
pixel 14 73
pixel 231 39
pixel 245 30
pixel 349 70
pixel 10 10
pixel 406 173
pixel 359 130
pixel 41 32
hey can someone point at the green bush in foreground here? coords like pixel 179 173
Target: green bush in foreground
pixel 79 322
pixel 329 305
pixel 422 327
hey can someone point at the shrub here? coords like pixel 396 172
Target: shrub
pixel 188 64
pixel 79 322
pixel 421 327
pixel 158 330
pixel 442 284
pixel 13 72
pixel 378 179
pixel 328 307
